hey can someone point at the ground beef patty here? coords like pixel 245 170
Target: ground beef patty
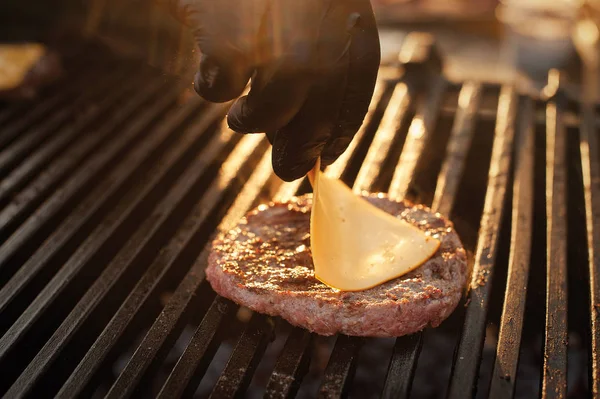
pixel 265 264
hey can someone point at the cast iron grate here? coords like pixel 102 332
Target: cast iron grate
pixel 115 180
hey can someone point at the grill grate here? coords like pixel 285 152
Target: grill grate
pixel 467 362
pixel 112 190
pixel 509 338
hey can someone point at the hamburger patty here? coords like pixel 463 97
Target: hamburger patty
pixel 265 264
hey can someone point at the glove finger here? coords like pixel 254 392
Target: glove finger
pixel 364 59
pixel 223 77
pixel 297 145
pixel 286 56
pixel 227 34
pixel 276 96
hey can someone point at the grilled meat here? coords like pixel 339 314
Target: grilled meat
pixel 265 264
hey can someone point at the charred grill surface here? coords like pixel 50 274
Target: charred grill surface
pixel 116 180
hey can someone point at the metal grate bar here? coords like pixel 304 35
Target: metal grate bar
pixel 95 243
pixel 190 359
pixel 245 358
pixel 197 356
pixel 590 161
pixel 152 342
pixel 340 369
pixel 291 366
pixel 511 325
pixel 466 365
pixel 404 358
pixel 384 138
pixel 61 140
pixel 84 177
pixel 13 153
pixel 402 366
pixel 51 177
pixel 460 141
pixel 419 133
pixel 144 239
pixel 554 384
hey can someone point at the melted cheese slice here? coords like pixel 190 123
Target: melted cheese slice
pixel 16 61
pixel 355 245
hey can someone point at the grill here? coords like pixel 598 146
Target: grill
pixel 115 180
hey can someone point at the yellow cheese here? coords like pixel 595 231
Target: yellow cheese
pixel 355 245
pixel 16 60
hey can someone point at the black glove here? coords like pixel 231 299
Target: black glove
pixel 313 65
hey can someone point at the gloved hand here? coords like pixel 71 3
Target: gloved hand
pixel 312 65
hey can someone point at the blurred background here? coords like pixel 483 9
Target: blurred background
pixel 489 40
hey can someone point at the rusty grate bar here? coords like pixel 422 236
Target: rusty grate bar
pixel 194 361
pixel 291 366
pixel 554 383
pixel 340 369
pixel 21 148
pixel 468 356
pixel 243 362
pixel 460 141
pixel 402 367
pixel 590 162
pixel 511 325
pixel 382 142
